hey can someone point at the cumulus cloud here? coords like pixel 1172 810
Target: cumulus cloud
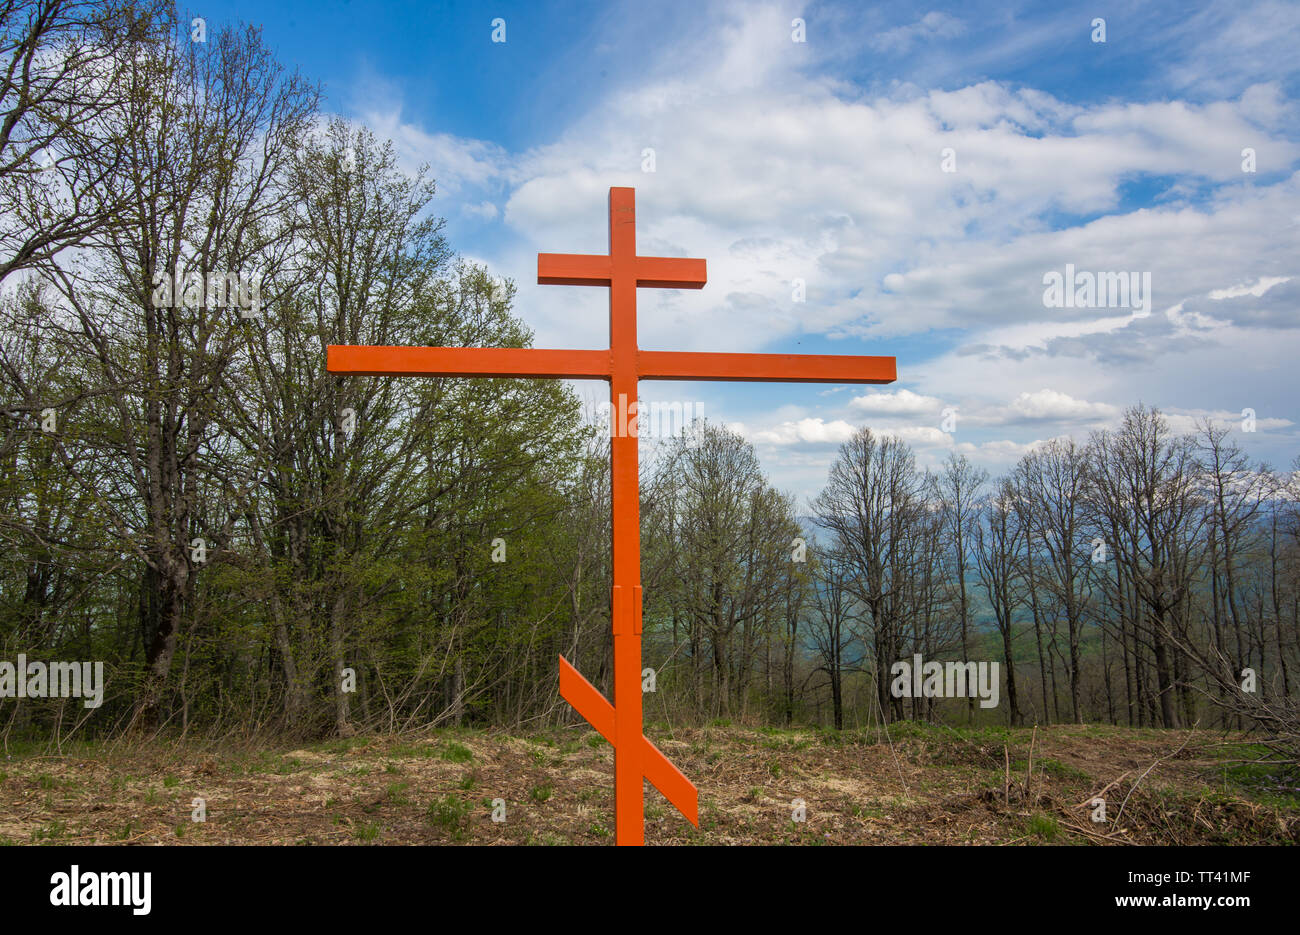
pixel 920 436
pixel 812 431
pixel 1050 405
pixel 896 403
pixel 1000 450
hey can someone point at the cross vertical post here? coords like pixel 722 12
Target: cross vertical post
pixel 625 502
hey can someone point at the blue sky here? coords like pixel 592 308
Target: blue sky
pixel 824 160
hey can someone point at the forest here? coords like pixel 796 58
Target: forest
pixel 251 545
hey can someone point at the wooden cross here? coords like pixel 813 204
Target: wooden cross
pixel 623 365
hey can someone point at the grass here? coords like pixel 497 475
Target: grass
pixel 449 813
pixel 1044 827
pixel 396 793
pixel 541 792
pixel 425 751
pixel 456 753
pixel 1054 768
pixel 1265 782
pixel 51 832
pixel 342 745
pixel 916 787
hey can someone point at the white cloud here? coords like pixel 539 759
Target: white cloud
pixel 812 431
pixel 899 402
pixel 933 25
pixel 484 210
pixel 920 436
pixel 1049 404
pixel 1257 288
pixel 1001 450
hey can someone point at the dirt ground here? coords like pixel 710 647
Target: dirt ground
pixel 919 784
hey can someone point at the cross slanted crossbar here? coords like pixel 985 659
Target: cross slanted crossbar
pixel 623 365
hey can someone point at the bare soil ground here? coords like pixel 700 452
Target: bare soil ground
pixel 920 784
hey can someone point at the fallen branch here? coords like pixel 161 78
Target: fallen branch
pixel 1158 761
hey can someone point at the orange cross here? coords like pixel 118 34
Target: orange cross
pixel 623 365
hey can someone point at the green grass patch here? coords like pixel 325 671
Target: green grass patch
pixel 396 793
pixel 456 753
pixel 541 792
pixel 450 813
pixel 423 751
pixel 51 832
pixel 1044 827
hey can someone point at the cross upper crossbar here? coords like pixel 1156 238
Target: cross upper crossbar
pixel 623 364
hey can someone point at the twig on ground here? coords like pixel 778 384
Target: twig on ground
pixel 1158 761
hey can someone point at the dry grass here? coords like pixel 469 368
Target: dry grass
pixel 924 785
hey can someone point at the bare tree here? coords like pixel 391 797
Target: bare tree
pixel 1143 482
pixel 959 486
pixel 1051 479
pixel 998 538
pixel 65 87
pixel 831 626
pixel 870 505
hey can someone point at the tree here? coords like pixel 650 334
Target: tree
pixel 1142 481
pixel 212 128
pixel 733 547
pixel 831 626
pixel 65 87
pixel 998 539
pixel 1052 481
pixel 959 486
pixel 870 505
